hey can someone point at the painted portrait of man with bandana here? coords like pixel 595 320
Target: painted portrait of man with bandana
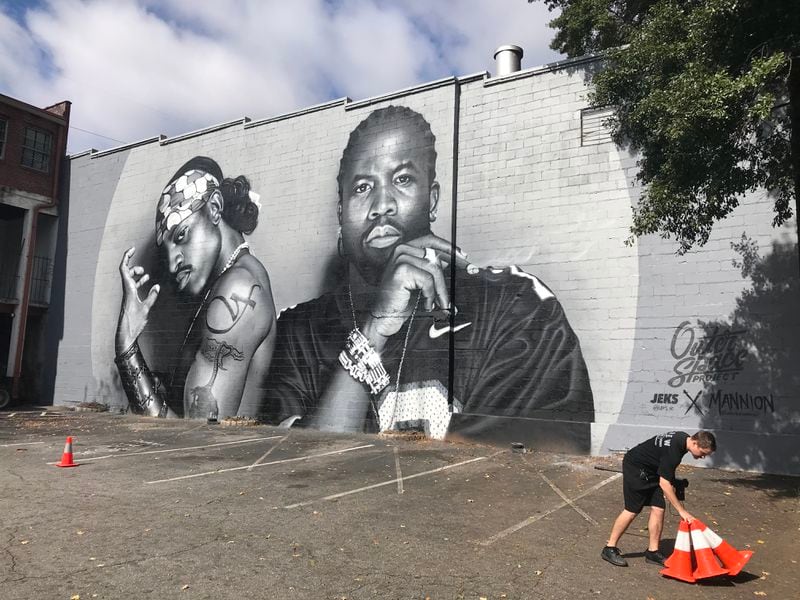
pixel 201 220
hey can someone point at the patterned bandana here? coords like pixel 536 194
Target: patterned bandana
pixel 182 198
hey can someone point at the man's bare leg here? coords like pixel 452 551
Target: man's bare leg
pixel 621 524
pixel 655 525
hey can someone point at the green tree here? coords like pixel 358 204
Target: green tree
pixel 706 91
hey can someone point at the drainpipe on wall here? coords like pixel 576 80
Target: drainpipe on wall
pixel 22 311
pixel 451 370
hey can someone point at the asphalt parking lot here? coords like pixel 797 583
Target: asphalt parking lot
pixel 179 509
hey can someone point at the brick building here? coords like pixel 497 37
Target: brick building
pixel 531 186
pixel 33 145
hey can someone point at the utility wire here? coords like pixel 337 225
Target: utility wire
pixel 97 134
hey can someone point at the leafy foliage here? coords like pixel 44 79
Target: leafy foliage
pixel 589 26
pixel 706 91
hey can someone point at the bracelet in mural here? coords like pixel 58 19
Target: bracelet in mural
pixel 128 353
pixel 141 387
pixel 363 363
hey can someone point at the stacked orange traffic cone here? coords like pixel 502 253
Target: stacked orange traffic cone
pixel 679 564
pixel 707 565
pixel 732 559
pixel 66 457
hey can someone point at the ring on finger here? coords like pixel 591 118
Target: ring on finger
pixel 430 256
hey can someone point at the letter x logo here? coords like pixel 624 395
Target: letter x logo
pixel 693 402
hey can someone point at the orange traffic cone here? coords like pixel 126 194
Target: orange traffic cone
pixel 679 563
pixel 731 558
pixel 707 565
pixel 66 457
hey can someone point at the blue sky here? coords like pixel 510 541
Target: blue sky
pixel 137 68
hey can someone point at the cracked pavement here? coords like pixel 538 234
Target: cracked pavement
pixel 170 509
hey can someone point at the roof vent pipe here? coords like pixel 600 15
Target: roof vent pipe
pixel 508 59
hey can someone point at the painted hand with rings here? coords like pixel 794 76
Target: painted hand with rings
pixel 416 266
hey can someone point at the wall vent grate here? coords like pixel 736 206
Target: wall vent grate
pixel 593 128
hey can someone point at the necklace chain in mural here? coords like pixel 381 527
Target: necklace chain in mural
pixel 402 355
pixel 231 259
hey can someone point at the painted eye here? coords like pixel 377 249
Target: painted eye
pixel 362 188
pixel 181 235
pixel 403 180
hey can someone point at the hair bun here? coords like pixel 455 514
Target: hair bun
pixel 239 210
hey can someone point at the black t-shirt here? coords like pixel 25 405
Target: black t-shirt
pixel 515 354
pixel 660 455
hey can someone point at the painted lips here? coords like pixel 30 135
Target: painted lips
pixel 182 277
pixel 382 236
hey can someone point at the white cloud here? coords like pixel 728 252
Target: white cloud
pixel 137 68
pixel 473 29
pixel 18 54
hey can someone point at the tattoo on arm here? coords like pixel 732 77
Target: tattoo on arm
pixel 202 400
pixel 236 307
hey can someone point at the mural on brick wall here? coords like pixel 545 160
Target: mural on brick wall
pixel 225 352
pixel 415 319
pixel 411 335
pixel 415 336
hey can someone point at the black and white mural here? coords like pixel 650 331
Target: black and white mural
pixel 448 260
pixel 224 355
pixel 411 335
pixel 414 336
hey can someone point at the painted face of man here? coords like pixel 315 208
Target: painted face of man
pixel 192 248
pixel 387 197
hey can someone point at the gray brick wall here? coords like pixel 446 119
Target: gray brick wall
pixel 529 193
pixel 89 203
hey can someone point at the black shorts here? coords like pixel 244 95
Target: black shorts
pixel 640 489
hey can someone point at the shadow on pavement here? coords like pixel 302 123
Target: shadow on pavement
pixel 774 486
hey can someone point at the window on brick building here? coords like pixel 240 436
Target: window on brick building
pixel 3 130
pixel 36 149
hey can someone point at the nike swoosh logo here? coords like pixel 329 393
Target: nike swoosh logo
pixel 434 332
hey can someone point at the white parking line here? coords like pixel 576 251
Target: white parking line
pixel 267 453
pixel 249 467
pixel 126 454
pixel 19 444
pixel 533 519
pixel 390 482
pixel 398 471
pixel 578 510
pixel 192 430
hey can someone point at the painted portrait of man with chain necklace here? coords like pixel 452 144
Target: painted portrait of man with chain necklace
pixel 415 336
pixel 201 220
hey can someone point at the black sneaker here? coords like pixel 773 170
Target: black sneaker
pixel 654 557
pixel 614 556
